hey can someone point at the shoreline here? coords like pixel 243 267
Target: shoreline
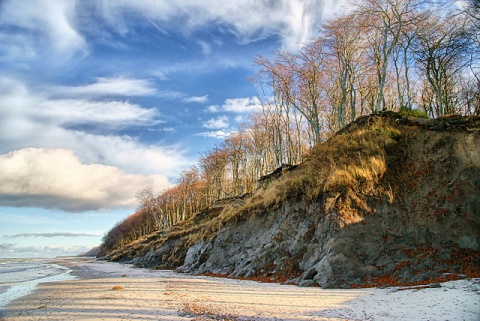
pixel 106 290
pixel 21 276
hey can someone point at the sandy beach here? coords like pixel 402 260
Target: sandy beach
pixel 112 291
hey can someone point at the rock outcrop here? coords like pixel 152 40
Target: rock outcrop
pixel 388 198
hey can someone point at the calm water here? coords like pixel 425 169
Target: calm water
pixel 18 277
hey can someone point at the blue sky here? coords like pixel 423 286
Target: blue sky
pixel 101 98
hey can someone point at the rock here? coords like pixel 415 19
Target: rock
pixel 307 283
pixel 310 274
pixel 425 276
pixel 406 275
pixel 366 271
pixel 434 285
pixel 384 260
pixel 389 268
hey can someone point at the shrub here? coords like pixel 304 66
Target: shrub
pixel 417 113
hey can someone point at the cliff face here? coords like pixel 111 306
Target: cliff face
pixel 388 198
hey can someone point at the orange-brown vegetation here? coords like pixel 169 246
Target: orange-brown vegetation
pixel 467 260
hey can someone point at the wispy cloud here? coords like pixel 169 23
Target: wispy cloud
pixel 6 247
pixel 117 86
pixel 50 22
pixel 111 113
pixel 217 134
pixel 196 99
pixel 42 250
pixel 50 235
pixel 294 21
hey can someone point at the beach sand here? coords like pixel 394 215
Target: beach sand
pixel 111 291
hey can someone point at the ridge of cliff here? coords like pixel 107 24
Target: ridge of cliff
pixel 388 200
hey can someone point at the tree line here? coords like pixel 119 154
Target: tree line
pixel 415 56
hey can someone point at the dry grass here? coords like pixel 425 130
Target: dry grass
pixel 349 168
pixel 345 171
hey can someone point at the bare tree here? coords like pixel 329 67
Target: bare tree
pixel 442 51
pixel 342 42
pixel 148 201
pixel 384 22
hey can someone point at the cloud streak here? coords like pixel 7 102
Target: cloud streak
pixel 217 134
pixel 116 86
pixel 42 250
pixel 294 21
pixel 50 235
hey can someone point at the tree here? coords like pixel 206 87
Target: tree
pixel 441 51
pixel 384 22
pixel 295 79
pixel 148 201
pixel 343 44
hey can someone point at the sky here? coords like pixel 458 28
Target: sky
pixel 102 98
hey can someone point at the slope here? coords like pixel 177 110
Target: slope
pixel 387 200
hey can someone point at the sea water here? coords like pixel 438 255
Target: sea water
pixel 18 277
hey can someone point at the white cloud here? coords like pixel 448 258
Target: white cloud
pixel 196 99
pixel 55 178
pixel 29 119
pixel 294 21
pixel 50 19
pixel 242 105
pixel 111 113
pixel 220 122
pixel 246 105
pixel 218 134
pixel 117 86
pixel 213 108
pixel 206 49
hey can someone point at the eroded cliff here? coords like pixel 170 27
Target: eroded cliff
pixel 389 199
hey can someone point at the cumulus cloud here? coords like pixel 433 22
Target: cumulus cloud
pixel 56 179
pixel 242 105
pixel 31 119
pixel 220 122
pixel 246 105
pixel 50 235
pixel 213 108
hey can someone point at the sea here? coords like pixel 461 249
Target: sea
pixel 18 277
